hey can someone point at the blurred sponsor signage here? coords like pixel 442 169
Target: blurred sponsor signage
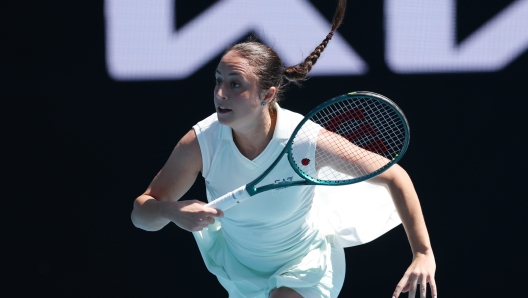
pixel 420 37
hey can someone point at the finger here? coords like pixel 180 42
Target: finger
pixel 204 224
pixel 210 220
pixel 214 212
pixel 412 291
pixel 432 284
pixel 206 220
pixel 406 288
pixel 397 291
pixel 219 213
pixel 423 287
pixel 402 287
pixel 413 286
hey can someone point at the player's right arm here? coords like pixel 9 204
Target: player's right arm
pixel 160 204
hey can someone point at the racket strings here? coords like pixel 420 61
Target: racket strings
pixel 350 138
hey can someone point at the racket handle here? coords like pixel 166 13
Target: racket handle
pixel 230 199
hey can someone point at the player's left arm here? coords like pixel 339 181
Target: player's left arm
pixel 397 181
pixel 422 269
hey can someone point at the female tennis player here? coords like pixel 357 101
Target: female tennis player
pixel 286 242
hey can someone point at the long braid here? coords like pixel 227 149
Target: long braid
pixel 300 71
pixel 268 67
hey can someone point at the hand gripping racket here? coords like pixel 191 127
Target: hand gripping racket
pixel 354 137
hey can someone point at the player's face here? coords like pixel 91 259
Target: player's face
pixel 236 94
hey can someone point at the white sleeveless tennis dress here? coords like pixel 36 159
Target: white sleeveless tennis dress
pixel 292 237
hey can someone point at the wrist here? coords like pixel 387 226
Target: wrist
pixel 424 253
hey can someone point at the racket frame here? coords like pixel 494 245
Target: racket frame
pixel 253 190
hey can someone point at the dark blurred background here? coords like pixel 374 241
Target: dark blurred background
pixel 82 145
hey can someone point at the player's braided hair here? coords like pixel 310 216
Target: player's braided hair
pixel 268 66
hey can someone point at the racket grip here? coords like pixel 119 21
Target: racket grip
pixel 230 199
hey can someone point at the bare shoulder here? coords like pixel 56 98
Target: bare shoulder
pixel 180 171
pixel 187 153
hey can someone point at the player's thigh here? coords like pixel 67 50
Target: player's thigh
pixel 284 292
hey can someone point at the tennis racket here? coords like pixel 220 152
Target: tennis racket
pixel 347 139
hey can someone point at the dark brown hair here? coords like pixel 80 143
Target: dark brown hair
pixel 268 66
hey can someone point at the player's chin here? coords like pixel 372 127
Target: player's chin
pixel 225 118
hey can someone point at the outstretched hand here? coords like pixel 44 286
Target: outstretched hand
pixel 192 215
pixel 420 272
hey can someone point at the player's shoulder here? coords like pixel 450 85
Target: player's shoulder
pixel 208 123
pixel 208 128
pixel 292 115
pixel 293 118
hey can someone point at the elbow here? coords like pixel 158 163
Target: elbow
pixel 400 183
pixel 136 220
pixel 395 175
pixel 140 221
pixel 134 215
pixel 398 177
pixel 141 224
pixel 400 173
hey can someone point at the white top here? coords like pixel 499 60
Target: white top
pixel 264 239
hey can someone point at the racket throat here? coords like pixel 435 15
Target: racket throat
pixel 253 190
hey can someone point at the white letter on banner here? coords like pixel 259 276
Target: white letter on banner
pixel 141 43
pixel 421 38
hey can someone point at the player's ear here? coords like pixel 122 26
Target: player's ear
pixel 269 94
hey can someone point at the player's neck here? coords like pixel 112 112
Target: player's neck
pixel 252 141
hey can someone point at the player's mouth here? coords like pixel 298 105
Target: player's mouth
pixel 222 110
